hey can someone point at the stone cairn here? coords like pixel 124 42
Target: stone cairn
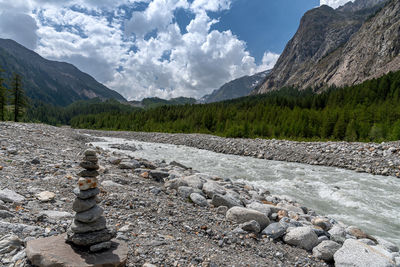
pixel 89 228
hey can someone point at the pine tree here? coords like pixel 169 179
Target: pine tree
pixel 18 96
pixel 3 98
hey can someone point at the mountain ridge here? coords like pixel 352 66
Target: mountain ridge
pixel 54 82
pixel 236 88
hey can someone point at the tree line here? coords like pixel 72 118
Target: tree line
pixel 365 112
pixel 13 102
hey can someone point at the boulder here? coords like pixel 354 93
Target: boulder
pixel 354 253
pixel 199 199
pixel 175 183
pixel 158 175
pixel 325 250
pixel 194 181
pixel 54 251
pixel 251 226
pixel 275 230
pixel 303 237
pixel 337 234
pixel 263 208
pixel 224 200
pixel 129 164
pixel 321 222
pixel 242 215
pixel 211 188
pixel 8 195
pixel 185 191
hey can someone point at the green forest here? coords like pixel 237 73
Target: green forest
pixel 365 112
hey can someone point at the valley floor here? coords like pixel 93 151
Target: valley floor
pixel 159 226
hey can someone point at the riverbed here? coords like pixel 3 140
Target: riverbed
pixel 368 201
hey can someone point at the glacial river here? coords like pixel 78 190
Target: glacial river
pixel 368 201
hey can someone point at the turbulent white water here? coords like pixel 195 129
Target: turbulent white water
pixel 367 201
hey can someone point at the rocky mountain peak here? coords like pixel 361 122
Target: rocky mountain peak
pixel 324 31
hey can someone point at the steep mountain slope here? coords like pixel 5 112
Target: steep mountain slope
pixel 310 59
pixel 50 81
pixel 236 88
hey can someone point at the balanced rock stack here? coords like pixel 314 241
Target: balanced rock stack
pixel 89 228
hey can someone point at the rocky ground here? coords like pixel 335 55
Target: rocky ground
pixel 382 159
pixel 169 214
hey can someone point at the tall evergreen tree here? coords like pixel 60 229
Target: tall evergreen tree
pixel 3 98
pixel 18 96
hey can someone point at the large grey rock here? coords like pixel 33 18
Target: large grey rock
pixel 8 195
pixel 90 215
pixel 289 207
pixel 199 199
pixel 81 205
pixel 185 191
pixel 129 164
pixel 158 175
pixel 242 215
pixel 225 200
pixel 263 208
pixel 211 188
pixel 251 226
pixel 275 230
pixel 9 243
pixel 54 251
pixel 175 183
pixel 79 227
pixel 354 253
pixel 338 234
pixel 85 194
pixel 303 237
pixel 194 181
pixel 55 214
pixel 325 250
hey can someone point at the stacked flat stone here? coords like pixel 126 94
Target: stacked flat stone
pixel 89 228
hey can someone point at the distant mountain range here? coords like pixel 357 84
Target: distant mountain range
pixel 52 82
pixel 236 88
pixel 343 46
pixel 153 102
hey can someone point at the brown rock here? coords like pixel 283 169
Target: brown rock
pixel 55 252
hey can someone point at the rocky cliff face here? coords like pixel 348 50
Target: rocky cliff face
pixel 344 46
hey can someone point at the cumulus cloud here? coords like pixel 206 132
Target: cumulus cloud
pixel 335 3
pixel 137 53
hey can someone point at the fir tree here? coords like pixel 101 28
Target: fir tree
pixel 18 96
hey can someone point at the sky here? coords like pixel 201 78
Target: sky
pixel 158 48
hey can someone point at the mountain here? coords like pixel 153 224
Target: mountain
pixel 236 88
pixel 52 82
pixel 153 102
pixel 344 46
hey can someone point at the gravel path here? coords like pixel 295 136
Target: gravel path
pixel 159 226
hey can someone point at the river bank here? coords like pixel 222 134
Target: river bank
pixel 380 159
pixel 169 214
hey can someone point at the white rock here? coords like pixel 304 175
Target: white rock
pixel 357 254
pixel 303 237
pixel 56 215
pixel 45 196
pixel 263 208
pixel 109 183
pixel 387 245
pixel 211 188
